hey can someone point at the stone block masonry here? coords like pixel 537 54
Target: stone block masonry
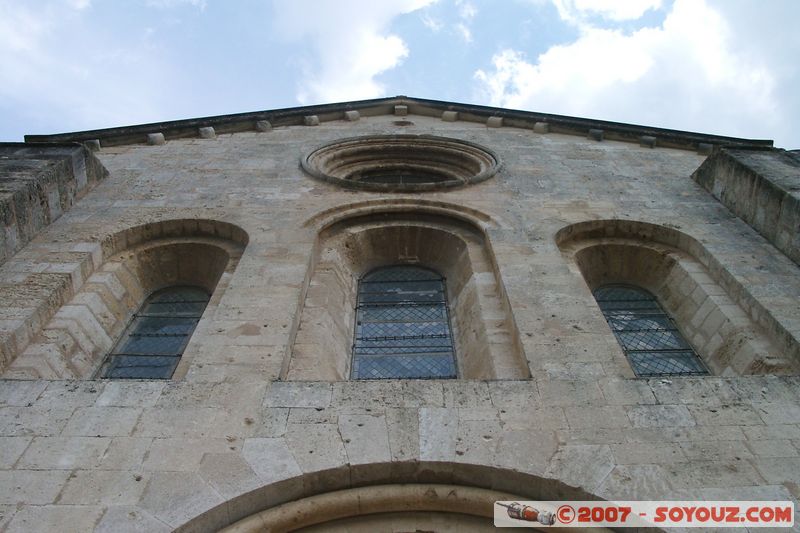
pixel 760 186
pixel 37 185
pixel 253 418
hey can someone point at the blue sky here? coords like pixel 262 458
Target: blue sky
pixel 726 67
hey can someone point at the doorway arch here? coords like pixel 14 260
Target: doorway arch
pixel 408 493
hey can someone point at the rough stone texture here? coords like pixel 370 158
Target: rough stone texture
pixel 75 337
pixel 263 125
pixel 207 132
pixel 541 127
pixel 483 329
pixel 92 145
pixel 375 162
pixel 37 185
pixel 705 148
pixel 155 139
pixel 762 187
pixel 595 134
pixel 733 336
pixel 351 115
pixel 494 122
pixel 449 116
pixel 648 141
pixel 226 438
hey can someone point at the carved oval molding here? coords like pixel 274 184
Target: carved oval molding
pixel 401 163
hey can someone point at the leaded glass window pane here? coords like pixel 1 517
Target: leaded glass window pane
pixel 647 334
pixel 152 345
pixel 402 326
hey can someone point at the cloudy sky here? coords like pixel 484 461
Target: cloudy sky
pixel 727 67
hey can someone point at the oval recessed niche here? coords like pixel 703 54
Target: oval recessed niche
pixel 401 163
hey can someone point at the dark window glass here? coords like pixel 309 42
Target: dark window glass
pixel 402 326
pixel 647 334
pixel 400 177
pixel 152 345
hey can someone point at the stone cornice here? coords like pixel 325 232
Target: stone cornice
pixel 157 133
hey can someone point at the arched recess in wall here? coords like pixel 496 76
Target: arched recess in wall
pixel 421 496
pixel 728 328
pixel 441 238
pixel 136 263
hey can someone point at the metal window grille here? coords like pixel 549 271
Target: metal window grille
pixel 647 334
pixel 402 326
pixel 152 344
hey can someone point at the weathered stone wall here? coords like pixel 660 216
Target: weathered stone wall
pixel 732 337
pixel 37 185
pixel 762 187
pixel 484 333
pixel 228 438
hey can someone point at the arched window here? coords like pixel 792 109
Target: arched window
pixel 153 342
pixel 402 326
pixel 648 335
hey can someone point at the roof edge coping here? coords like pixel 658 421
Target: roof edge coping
pixel 294 116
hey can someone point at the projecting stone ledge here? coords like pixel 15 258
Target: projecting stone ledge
pixel 762 187
pixel 207 132
pixel 38 183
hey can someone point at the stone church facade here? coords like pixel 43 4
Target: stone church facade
pixel 199 319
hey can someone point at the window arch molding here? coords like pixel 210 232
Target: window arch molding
pixel 323 495
pixel 729 329
pixel 485 336
pixel 136 262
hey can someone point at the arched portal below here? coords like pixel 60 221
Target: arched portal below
pixel 397 507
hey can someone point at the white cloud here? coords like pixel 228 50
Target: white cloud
pixel 459 19
pixel 466 9
pixel 684 74
pixel 464 31
pixel 351 44
pixel 79 4
pixel 168 4
pixel 466 13
pixel 576 10
pixel 431 23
